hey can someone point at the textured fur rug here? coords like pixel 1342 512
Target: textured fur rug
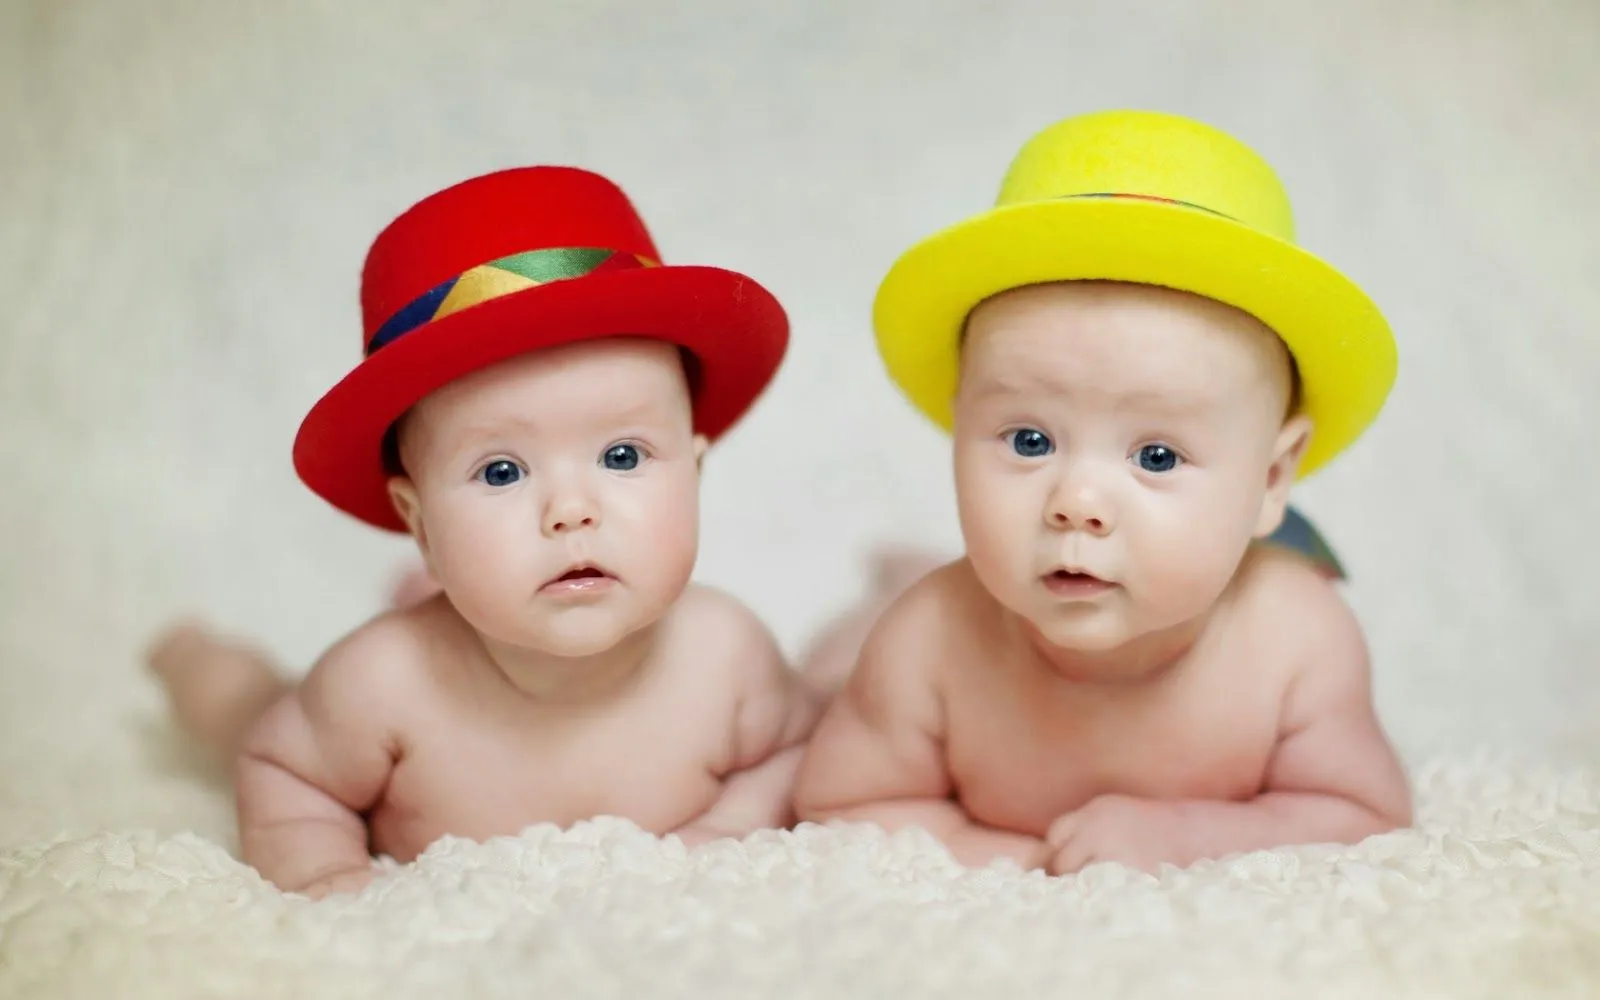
pixel 186 190
pixel 1495 894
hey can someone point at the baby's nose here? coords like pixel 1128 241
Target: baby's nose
pixel 1065 520
pixel 1080 508
pixel 571 512
pixel 568 524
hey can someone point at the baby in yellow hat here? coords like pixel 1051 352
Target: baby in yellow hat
pixel 1135 362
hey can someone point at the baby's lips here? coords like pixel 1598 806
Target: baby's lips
pixel 1075 571
pixel 581 569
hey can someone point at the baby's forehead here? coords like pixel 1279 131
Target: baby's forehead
pixel 443 425
pixel 1139 338
pixel 1166 390
pixel 529 415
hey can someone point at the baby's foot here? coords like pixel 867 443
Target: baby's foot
pixel 217 688
pixel 177 648
pixel 831 656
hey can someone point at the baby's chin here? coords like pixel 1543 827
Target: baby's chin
pixel 1100 633
pixel 1101 625
pixel 579 635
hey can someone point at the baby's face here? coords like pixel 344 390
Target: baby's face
pixel 1117 447
pixel 556 495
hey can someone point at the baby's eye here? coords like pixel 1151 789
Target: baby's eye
pixel 1030 442
pixel 501 473
pixel 1157 458
pixel 621 458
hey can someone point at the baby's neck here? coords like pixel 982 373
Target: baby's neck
pixel 572 680
pixel 1143 659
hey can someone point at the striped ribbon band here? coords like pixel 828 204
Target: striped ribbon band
pixel 502 276
pixel 1149 197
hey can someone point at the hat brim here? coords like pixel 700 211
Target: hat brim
pixel 1342 345
pixel 737 331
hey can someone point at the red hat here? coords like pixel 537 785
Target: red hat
pixel 511 262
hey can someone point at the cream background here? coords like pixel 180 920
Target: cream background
pixel 187 189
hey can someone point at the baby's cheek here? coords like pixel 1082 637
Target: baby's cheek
pixel 476 561
pixel 1189 577
pixel 999 524
pixel 667 541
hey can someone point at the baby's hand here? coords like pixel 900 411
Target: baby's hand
pixel 695 834
pixel 350 880
pixel 1133 831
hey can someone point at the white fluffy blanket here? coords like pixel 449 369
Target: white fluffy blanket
pixel 1496 894
pixel 186 190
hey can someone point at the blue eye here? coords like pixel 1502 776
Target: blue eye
pixel 1158 458
pixel 621 458
pixel 501 473
pixel 1031 443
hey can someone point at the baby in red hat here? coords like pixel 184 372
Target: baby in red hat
pixel 533 407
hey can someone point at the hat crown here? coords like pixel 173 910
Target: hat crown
pixel 1152 155
pixel 489 217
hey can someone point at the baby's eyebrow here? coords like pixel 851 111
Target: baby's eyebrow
pixel 1166 400
pixel 1008 384
pixel 1169 401
pixel 497 428
pixel 639 410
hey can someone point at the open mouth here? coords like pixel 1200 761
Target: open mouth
pixel 580 578
pixel 582 573
pixel 1074 576
pixel 1074 582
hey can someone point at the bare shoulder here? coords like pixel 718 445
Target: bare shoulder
pixel 378 670
pixel 1330 740
pixel 947 605
pixel 1313 631
pixel 909 649
pixel 713 625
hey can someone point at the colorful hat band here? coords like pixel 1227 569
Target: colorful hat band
pixel 502 276
pixel 1149 197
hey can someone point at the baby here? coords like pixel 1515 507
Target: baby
pixel 536 399
pixel 1119 669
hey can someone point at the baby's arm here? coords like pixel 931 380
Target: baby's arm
pixel 877 755
pixel 774 711
pixel 1333 776
pixel 317 760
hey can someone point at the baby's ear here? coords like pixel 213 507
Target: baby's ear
pixel 1287 451
pixel 403 494
pixel 700 446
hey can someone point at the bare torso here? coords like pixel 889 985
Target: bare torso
pixel 475 758
pixel 407 731
pixel 1259 733
pixel 1023 746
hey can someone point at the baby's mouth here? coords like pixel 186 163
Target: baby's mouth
pixel 579 579
pixel 1075 583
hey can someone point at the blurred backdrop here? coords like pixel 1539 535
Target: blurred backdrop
pixel 187 190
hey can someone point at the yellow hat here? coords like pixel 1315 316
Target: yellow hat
pixel 1156 199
